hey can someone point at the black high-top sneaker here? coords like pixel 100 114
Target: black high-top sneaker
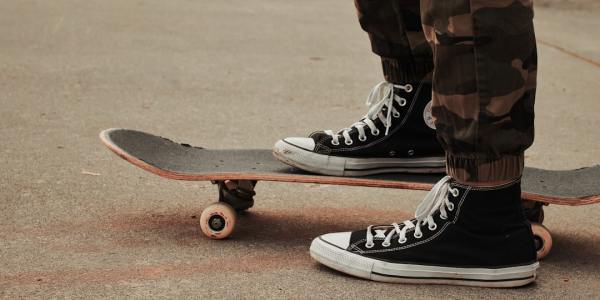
pixel 396 135
pixel 461 235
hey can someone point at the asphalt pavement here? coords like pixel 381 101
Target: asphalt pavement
pixel 78 222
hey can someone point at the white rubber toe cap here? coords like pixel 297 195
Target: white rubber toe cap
pixel 338 239
pixel 301 142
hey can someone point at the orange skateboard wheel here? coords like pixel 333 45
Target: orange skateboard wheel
pixel 217 221
pixel 543 240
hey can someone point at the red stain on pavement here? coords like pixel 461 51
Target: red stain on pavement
pixel 180 224
pixel 250 264
pixel 173 231
pixel 120 233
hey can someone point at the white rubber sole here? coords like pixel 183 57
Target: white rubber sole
pixel 372 269
pixel 347 166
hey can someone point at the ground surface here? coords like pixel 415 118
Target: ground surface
pixel 76 221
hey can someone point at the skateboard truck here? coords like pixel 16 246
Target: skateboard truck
pixel 237 193
pixel 534 212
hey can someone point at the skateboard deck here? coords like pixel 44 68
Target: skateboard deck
pixel 173 160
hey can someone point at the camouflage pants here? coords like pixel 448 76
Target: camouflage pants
pixel 483 57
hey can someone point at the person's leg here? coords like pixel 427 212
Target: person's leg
pixel 470 229
pixel 484 85
pixel 396 35
pixel 397 133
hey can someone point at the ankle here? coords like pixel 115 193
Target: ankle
pixel 403 71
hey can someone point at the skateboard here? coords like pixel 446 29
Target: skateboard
pixel 236 172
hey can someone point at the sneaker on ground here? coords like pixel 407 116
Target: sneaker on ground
pixel 396 135
pixel 461 235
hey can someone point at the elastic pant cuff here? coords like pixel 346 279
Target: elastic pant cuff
pixel 401 72
pixel 468 169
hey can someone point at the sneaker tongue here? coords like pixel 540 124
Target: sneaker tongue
pixel 318 136
pixel 395 105
pixel 321 135
pixel 380 233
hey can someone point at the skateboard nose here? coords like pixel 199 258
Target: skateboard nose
pixel 301 142
pixel 338 239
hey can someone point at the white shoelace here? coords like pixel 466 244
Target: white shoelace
pixel 381 96
pixel 436 200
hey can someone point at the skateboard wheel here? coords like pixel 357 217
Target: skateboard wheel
pixel 543 240
pixel 217 221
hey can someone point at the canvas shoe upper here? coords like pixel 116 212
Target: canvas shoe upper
pixel 460 235
pixel 396 135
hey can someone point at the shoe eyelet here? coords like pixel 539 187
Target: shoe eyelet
pixel 402 102
pixel 369 246
pixel 450 206
pixel 402 241
pixel 362 138
pixel 396 115
pixel 432 226
pixel 454 192
pixel 384 244
pixel 375 132
pixel 335 143
pixel 418 235
pixel 348 142
pixel 408 88
pixel 443 217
